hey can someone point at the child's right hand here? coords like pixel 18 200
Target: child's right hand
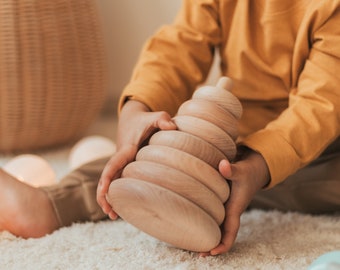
pixel 136 125
pixel 246 176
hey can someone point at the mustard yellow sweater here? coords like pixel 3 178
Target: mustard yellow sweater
pixel 284 58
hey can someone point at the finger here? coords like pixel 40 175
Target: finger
pixel 230 171
pixel 152 123
pixel 102 188
pixel 204 254
pixel 233 208
pixel 166 125
pixel 103 185
pixel 164 121
pixel 106 207
pixel 231 227
pixel 225 169
pixel 112 215
pixel 111 171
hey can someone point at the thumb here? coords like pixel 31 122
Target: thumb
pixel 164 122
pixel 225 169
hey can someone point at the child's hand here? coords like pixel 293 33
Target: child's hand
pixel 136 125
pixel 112 171
pixel 246 176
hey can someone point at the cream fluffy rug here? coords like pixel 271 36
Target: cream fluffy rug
pixel 267 240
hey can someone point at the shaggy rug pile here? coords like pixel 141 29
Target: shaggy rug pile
pixel 267 240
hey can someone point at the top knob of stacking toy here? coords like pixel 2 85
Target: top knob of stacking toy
pixel 225 83
pixel 221 95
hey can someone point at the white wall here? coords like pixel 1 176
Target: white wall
pixel 127 24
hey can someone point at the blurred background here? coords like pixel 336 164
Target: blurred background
pixel 126 25
pixel 65 62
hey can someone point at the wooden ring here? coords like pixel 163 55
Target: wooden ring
pixel 220 96
pixel 209 111
pixel 206 131
pixel 188 164
pixel 178 182
pixel 192 145
pixel 164 215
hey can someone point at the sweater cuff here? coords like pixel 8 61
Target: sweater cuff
pixel 281 158
pixel 159 99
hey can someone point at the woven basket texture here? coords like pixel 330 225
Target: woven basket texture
pixel 52 72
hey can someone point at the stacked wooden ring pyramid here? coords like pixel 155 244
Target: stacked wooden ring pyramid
pixel 173 191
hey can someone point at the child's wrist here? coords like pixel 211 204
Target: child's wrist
pixel 244 152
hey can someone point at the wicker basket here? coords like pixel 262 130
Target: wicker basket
pixel 52 71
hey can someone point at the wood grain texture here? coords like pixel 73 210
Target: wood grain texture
pixel 187 164
pixel 209 111
pixel 206 131
pixel 221 97
pixel 164 214
pixel 193 145
pixel 178 182
pixel 173 190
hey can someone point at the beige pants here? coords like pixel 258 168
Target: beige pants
pixel 313 189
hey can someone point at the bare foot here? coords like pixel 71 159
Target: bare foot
pixel 25 211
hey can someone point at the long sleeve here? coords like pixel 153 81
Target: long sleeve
pixel 177 58
pixel 283 57
pixel 312 120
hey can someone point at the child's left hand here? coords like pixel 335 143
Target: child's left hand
pixel 247 176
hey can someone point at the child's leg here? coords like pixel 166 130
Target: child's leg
pixel 25 211
pixel 28 211
pixel 313 189
pixel 74 198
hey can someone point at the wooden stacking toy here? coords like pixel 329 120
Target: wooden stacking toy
pixel 173 190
